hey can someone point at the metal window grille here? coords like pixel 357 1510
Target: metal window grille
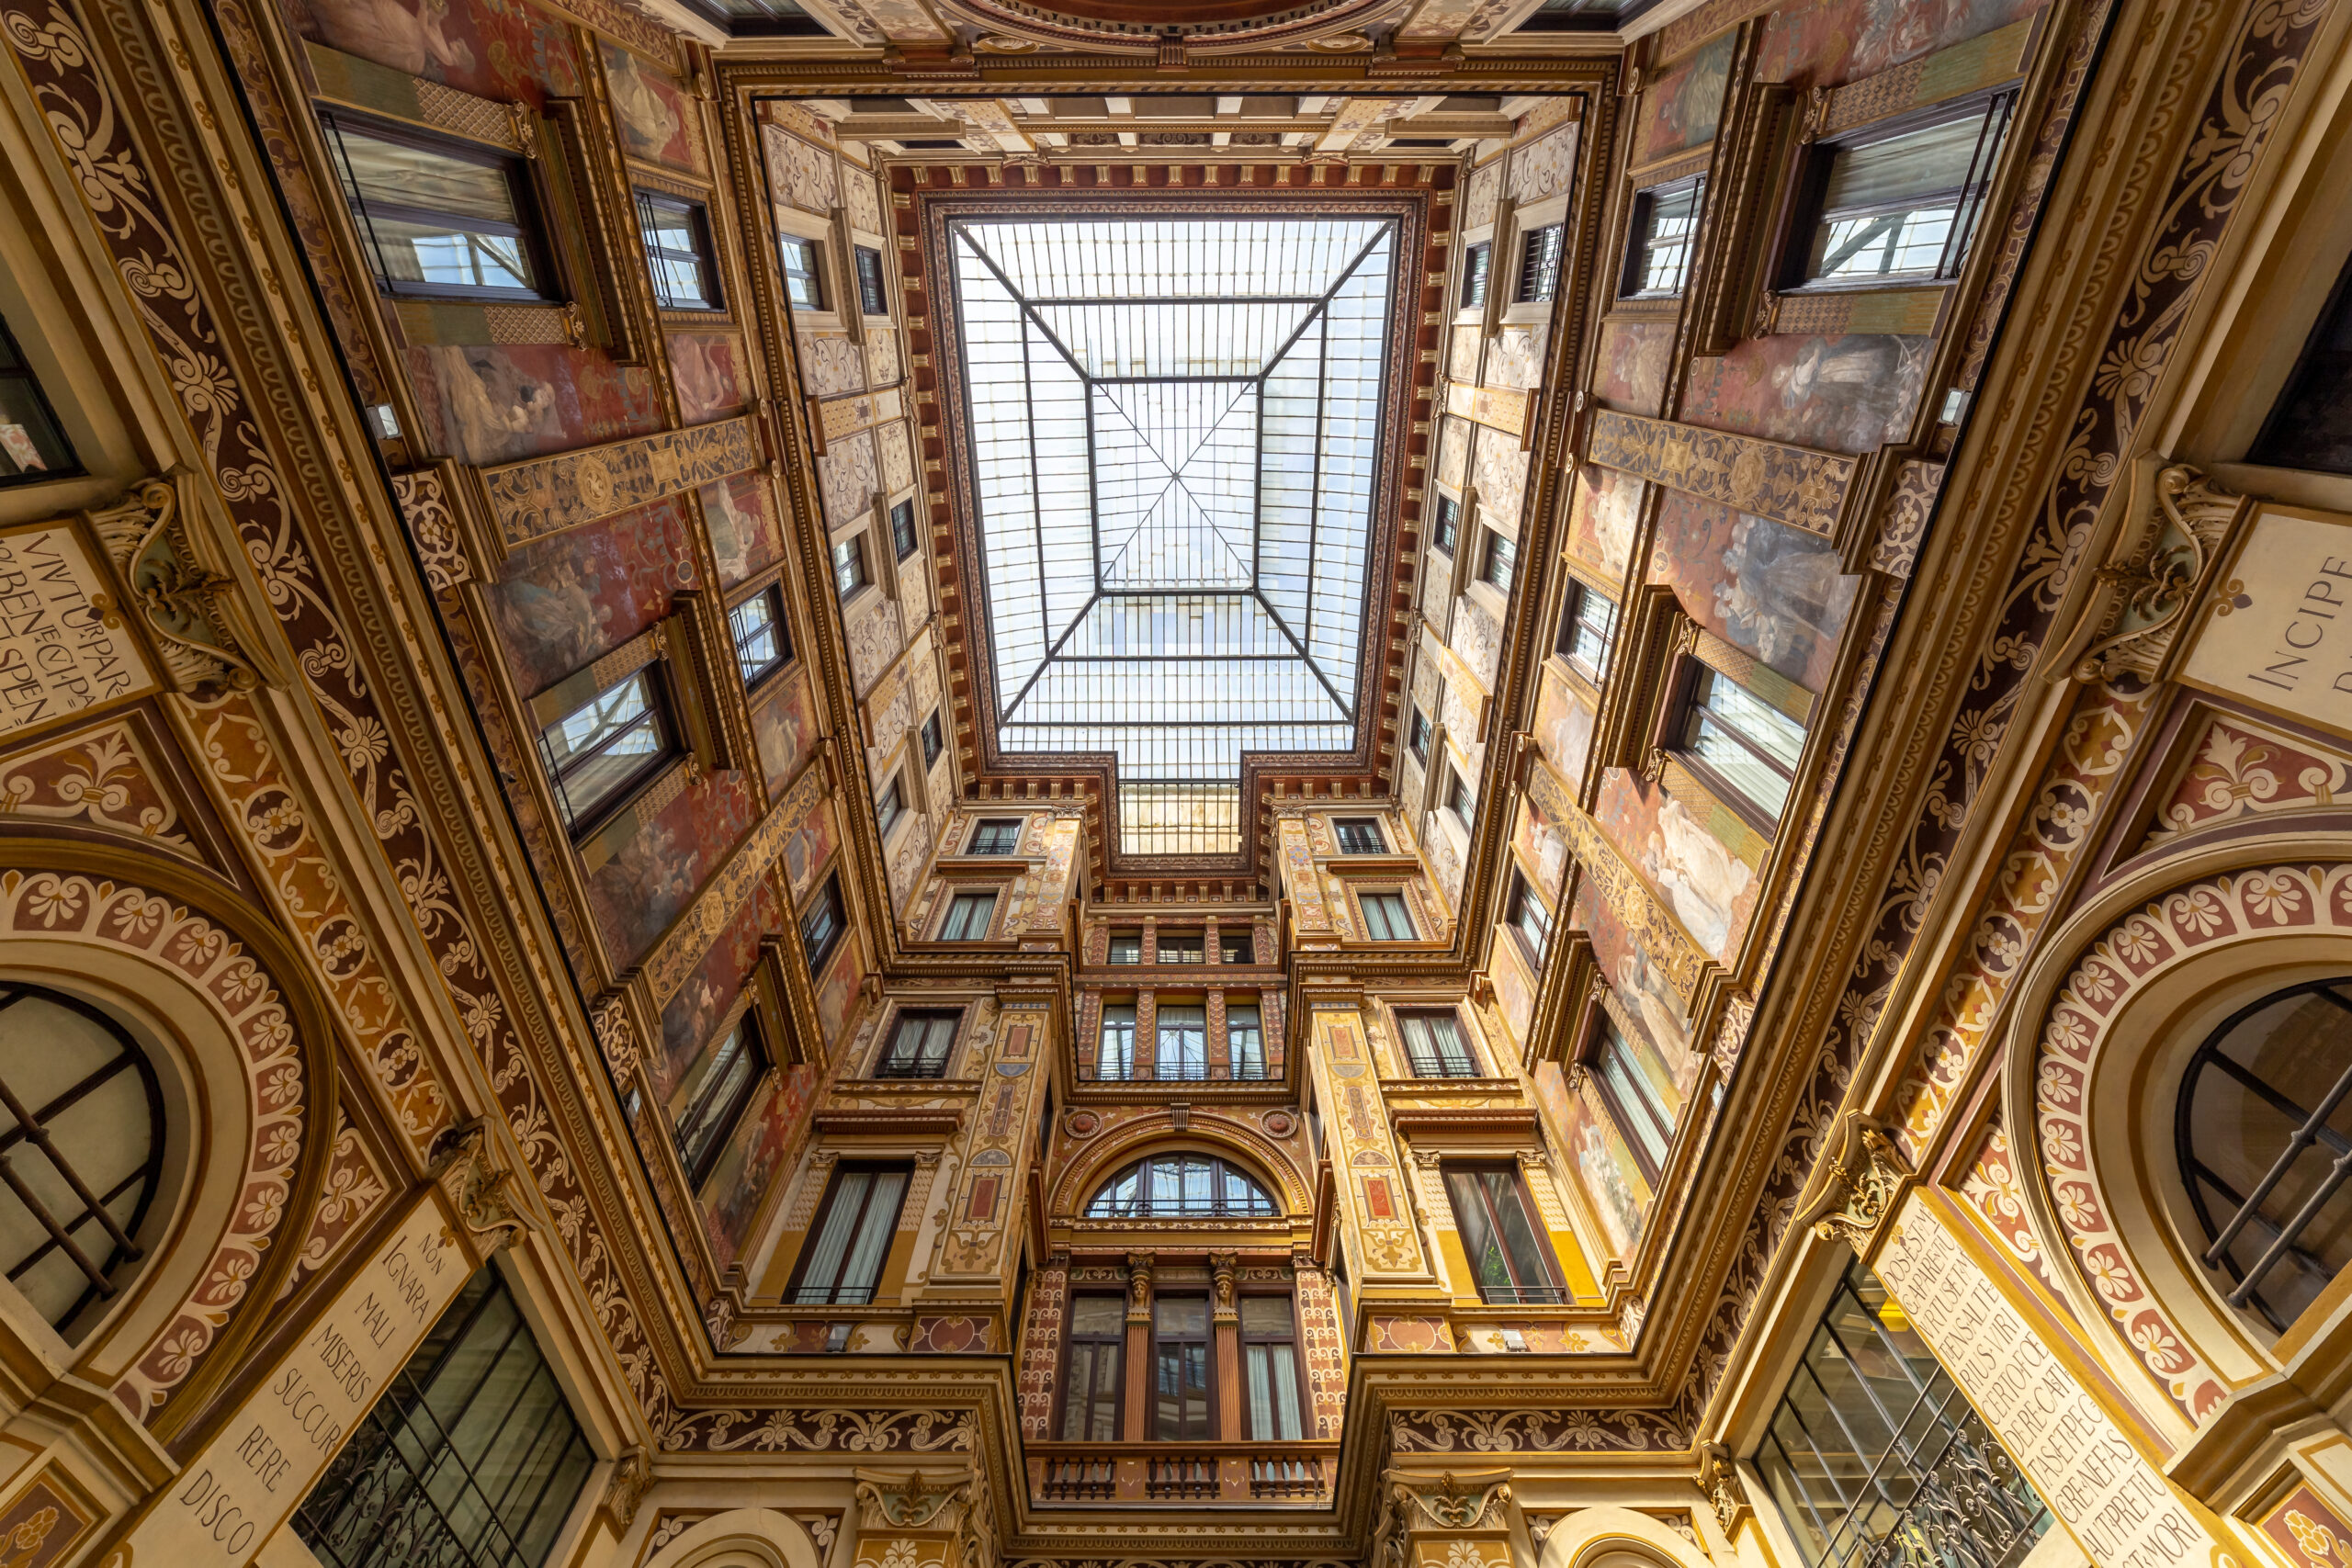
pixel 1876 1458
pixel 2253 1129
pixel 870 296
pixel 86 1100
pixel 902 529
pixel 1475 263
pixel 471 1459
pixel 1245 1042
pixel 930 739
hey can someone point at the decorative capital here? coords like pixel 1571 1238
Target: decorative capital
pixel 1864 1176
pixel 1718 1478
pixel 909 1502
pixel 609 1017
pixel 1222 1268
pixel 632 1473
pixel 2144 587
pixel 1448 1502
pixel 183 595
pixel 482 1192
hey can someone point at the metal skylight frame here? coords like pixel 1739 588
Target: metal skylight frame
pixel 1084 309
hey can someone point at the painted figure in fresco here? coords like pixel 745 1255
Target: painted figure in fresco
pixel 648 123
pixel 1610 513
pixel 1638 981
pixel 704 368
pixel 1855 391
pixel 1621 1214
pixel 1699 876
pixel 490 404
pixel 1783 595
pixel 391 33
pixel 553 612
pixel 731 532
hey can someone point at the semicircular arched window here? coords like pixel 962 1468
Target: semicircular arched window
pixel 81 1151
pixel 1181 1186
pixel 2264 1135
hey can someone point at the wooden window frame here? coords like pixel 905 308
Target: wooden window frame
pixel 582 823
pixel 1497 553
pixel 755 678
pixel 1540 274
pixel 534 225
pixel 903 546
pixel 981 827
pixel 872 287
pixel 1427 1016
pixel 705 254
pixel 1522 897
pixel 1477 275
pixel 828 896
pixel 18 371
pixel 1118 934
pixel 1117 1341
pixel 934 742
pixel 1676 713
pixel 897 796
pixel 1232 1064
pixel 1162 1058
pixel 1342 825
pixel 1605 1036
pixel 1418 733
pixel 1209 1370
pixel 1552 1289
pixel 1572 618
pixel 699 1164
pixel 1189 938
pixel 1364 896
pixel 957 898
pixel 1445 527
pixel 1296 1340
pixel 1818 158
pixel 887 1062
pixel 812 252
pixel 816 1226
pixel 1639 242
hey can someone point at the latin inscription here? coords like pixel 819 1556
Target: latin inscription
pixel 63 649
pixel 2119 1508
pixel 2279 629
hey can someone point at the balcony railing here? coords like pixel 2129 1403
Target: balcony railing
pixel 1244 1472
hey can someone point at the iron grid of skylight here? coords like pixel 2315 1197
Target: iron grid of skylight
pixel 1174 429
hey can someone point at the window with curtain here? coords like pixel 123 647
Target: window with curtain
pixel 1116 1058
pixel 618 737
pixel 1181 1036
pixel 1635 1102
pixel 969 917
pixel 1180 1186
pixel 1904 204
pixel 470 1457
pixel 1433 1044
pixel 1269 1368
pixel 1181 1389
pixel 995 836
pixel 712 1095
pixel 1384 917
pixel 1875 1456
pixel 1359 835
pixel 842 1262
pixel 920 1042
pixel 1180 947
pixel 1499 1234
pixel 1741 739
pixel 1091 1382
pixel 1126 947
pixel 1245 1042
pixel 1529 917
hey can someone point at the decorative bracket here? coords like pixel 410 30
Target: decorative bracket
pixel 1718 1478
pixel 1864 1178
pixel 482 1191
pixel 183 594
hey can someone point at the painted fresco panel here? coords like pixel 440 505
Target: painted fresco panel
pixel 811 845
pixel 1711 891
pixel 484 404
pixel 837 997
pixel 1601 519
pixel 490 49
pixel 1683 108
pixel 1501 478
pixel 567 599
pixel 800 173
pixel 1519 356
pixel 691 1018
pixel 1824 42
pixel 1603 1166
pixel 707 369
pixel 1563 726
pixel 641 890
pixel 739 515
pixel 1630 374
pixel 651 112
pixel 830 365
pixel 1772 589
pixel 1838 394
pixel 1546 167
pixel 1540 848
pixel 846 475
pixel 764 1147
pixel 785 726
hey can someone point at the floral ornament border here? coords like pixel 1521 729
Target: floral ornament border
pixel 2216 913
pixel 249 999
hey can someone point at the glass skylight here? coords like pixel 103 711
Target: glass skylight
pixel 1175 424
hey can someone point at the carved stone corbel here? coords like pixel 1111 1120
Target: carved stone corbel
pixel 1139 1287
pixel 1863 1180
pixel 481 1192
pixel 179 587
pixel 2174 523
pixel 632 1473
pixel 890 1502
pixel 1448 1503
pixel 1718 1479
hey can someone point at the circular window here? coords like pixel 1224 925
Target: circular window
pixel 81 1152
pixel 2264 1133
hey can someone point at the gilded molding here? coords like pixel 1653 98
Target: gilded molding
pixel 1648 921
pixel 546 495
pixel 690 936
pixel 1795 485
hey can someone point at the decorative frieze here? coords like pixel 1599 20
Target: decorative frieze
pixel 546 495
pixel 1795 485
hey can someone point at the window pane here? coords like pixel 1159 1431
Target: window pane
pixel 861 1271
pixel 969 917
pixel 1244 1044
pixel 1647 1124
pixel 759 642
pixel 849 565
pixel 1518 1233
pixel 1266 1316
pixel 433 218
pixel 1184 1049
pixel 830 1245
pixel 1662 247
pixel 1889 205
pixel 1117 1056
pixel 1592 620
pixel 603 744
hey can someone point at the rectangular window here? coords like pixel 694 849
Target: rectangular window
pixel 1449 512
pixel 1419 736
pixel 1458 799
pixel 850 571
pixel 870 297
pixel 1359 835
pixel 2311 426
pixel 678 251
pixel 968 918
pixel 32 444
pixel 1098 1335
pixel 1586 627
pixel 615 740
pixel 1499 1230
pixel 919 1047
pixel 1635 1102
pixel 1181 1048
pixel 902 529
pixel 930 739
pixel 1903 206
pixel 440 217
pixel 1126 947
pixel 1742 740
pixel 1233 947
pixel 1181 1389
pixel 1529 917
pixel 1476 263
pixel 1245 1042
pixel 1433 1045
pixel 802 283
pixel 1665 219
pixel 1180 947
pixel 1116 1058
pixel 888 807
pixel 1385 918
pixel 822 925
pixel 1269 1368
pixel 1873 1448
pixel 843 1262
pixel 995 836
pixel 1539 263
pixel 1500 560
pixel 712 1096
pixel 761 645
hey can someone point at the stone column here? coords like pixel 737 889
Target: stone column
pixel 1138 1352
pixel 1225 1319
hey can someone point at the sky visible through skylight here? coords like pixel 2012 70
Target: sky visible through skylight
pixel 1174 430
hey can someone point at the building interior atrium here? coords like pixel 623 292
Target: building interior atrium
pixel 1220 783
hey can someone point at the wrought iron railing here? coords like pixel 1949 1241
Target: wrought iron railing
pixel 1182 1473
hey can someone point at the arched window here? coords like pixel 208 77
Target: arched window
pixel 81 1152
pixel 2263 1132
pixel 1180 1186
